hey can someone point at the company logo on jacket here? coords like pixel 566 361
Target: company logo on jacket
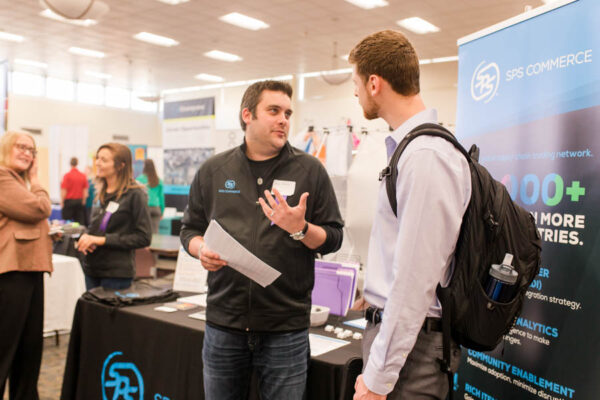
pixel 229 187
pixel 121 380
pixel 485 81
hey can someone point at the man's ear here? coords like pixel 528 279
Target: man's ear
pixel 374 84
pixel 246 115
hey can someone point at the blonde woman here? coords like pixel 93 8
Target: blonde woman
pixel 25 254
pixel 119 225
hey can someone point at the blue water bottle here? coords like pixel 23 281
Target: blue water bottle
pixel 501 285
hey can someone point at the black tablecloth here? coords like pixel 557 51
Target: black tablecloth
pixel 160 354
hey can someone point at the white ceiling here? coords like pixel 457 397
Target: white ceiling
pixel 300 38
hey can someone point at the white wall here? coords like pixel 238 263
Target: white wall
pixel 329 105
pixel 102 122
pixel 332 105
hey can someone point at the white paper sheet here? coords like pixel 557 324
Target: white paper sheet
pixel 190 275
pixel 199 299
pixel 237 256
pixel 199 315
pixel 359 323
pixel 323 344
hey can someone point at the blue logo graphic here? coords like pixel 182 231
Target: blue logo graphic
pixel 230 184
pixel 485 81
pixel 121 379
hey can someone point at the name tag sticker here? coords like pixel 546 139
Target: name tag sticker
pixel 286 188
pixel 112 207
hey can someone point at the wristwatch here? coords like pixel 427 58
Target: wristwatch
pixel 300 234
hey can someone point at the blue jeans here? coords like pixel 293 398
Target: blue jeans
pixel 279 359
pixel 107 283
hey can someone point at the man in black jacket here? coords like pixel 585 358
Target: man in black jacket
pixel 278 202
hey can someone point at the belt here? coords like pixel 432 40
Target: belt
pixel 374 315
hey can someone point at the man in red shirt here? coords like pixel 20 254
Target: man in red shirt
pixel 73 193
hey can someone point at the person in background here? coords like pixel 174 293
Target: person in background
pixel 25 254
pixel 413 252
pixel 119 225
pixel 248 325
pixel 73 194
pixel 89 201
pixel 156 196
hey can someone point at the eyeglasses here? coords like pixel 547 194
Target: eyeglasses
pixel 23 148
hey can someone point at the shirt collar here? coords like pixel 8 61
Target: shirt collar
pixel 425 116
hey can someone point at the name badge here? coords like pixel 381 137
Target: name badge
pixel 112 207
pixel 286 188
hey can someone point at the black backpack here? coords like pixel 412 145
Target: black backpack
pixel 492 226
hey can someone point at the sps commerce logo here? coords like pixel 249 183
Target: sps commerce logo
pixel 485 81
pixel 121 380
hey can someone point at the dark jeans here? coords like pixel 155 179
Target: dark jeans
pixel 107 283
pixel 74 210
pixel 21 325
pixel 280 361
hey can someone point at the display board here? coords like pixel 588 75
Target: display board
pixel 188 127
pixel 529 96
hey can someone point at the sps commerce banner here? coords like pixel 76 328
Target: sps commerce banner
pixel 529 96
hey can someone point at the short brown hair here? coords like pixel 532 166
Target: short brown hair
pixel 123 163
pixel 253 94
pixel 389 55
pixel 74 161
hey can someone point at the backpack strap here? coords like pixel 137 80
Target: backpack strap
pixel 390 173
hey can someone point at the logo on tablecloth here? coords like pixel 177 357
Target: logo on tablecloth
pixel 121 380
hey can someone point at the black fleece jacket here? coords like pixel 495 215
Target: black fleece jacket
pixel 128 229
pixel 224 189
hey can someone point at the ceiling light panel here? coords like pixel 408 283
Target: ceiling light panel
pixel 244 21
pixel 86 52
pixel 445 59
pixel 418 25
pixel 79 22
pixel 209 78
pixel 98 75
pixel 31 63
pixel 223 56
pixel 155 39
pixel 368 4
pixel 173 2
pixel 11 37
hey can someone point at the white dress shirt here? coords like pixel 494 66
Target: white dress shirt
pixel 409 255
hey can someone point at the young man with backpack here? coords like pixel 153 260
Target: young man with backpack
pixel 413 251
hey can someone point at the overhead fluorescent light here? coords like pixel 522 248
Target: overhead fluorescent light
pixel 173 2
pixel 244 21
pixel 31 63
pixel 155 39
pixel 98 75
pixel 444 59
pixel 86 52
pixel 330 72
pixel 223 56
pixel 418 25
pixel 425 61
pixel 209 78
pixel 368 4
pixel 228 84
pixel 11 37
pixel 79 22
